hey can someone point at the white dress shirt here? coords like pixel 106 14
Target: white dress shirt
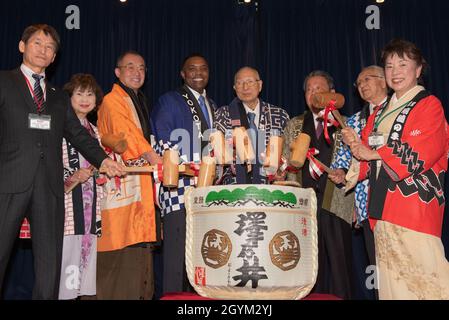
pixel 197 97
pixel 29 75
pixel 256 111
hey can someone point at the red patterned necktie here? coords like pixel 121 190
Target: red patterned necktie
pixel 38 92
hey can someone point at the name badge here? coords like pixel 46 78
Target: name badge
pixel 376 140
pixel 152 140
pixel 39 122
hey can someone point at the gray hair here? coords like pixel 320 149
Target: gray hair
pixel 319 73
pixel 247 68
pixel 376 68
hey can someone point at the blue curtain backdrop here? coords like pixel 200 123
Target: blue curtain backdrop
pixel 284 39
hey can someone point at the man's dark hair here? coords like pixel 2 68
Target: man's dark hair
pixel 195 54
pixel 319 73
pixel 46 29
pixel 120 57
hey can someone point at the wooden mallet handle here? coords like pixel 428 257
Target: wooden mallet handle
pixel 326 168
pixel 145 169
pixel 339 118
pixel 72 186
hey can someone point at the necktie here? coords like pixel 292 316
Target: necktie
pixel 319 129
pixel 203 106
pixel 38 93
pixel 253 132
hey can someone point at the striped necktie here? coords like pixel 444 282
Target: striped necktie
pixel 38 92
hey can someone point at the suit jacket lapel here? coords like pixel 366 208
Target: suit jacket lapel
pixel 23 88
pixel 213 108
pixel 50 92
pixel 309 128
pixel 183 90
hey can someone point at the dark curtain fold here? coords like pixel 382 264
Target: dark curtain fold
pixel 284 39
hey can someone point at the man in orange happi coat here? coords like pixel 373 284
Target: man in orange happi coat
pixel 125 260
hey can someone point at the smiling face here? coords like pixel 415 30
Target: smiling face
pixel 401 73
pixel 131 71
pixel 371 85
pixel 38 52
pixel 195 73
pixel 247 86
pixel 83 101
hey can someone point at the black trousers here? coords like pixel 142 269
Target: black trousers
pixel 19 279
pixel 363 258
pixel 334 256
pixel 175 276
pixel 45 212
pixel 368 236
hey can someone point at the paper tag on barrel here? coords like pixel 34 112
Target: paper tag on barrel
pixel 251 242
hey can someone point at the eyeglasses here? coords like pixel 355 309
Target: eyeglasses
pixel 133 68
pixel 367 78
pixel 46 46
pixel 249 83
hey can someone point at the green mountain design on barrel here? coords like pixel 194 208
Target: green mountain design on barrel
pixel 251 194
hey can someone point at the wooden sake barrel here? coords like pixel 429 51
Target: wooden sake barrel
pixel 251 241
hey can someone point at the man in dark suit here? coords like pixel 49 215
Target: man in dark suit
pixel 34 117
pixel 181 118
pixel 334 206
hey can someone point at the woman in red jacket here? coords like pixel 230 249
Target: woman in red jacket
pixel 403 151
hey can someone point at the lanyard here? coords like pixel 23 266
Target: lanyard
pixel 37 102
pixel 382 118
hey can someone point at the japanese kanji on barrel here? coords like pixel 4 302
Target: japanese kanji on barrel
pixel 251 241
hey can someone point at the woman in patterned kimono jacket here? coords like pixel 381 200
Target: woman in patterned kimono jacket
pixel 404 147
pixel 82 223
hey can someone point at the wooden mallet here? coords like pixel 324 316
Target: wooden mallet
pixel 206 175
pixel 273 152
pixel 243 145
pixel 222 153
pixel 299 150
pixel 117 143
pixel 322 101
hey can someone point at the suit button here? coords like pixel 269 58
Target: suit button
pixel 39 144
pixel 42 155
